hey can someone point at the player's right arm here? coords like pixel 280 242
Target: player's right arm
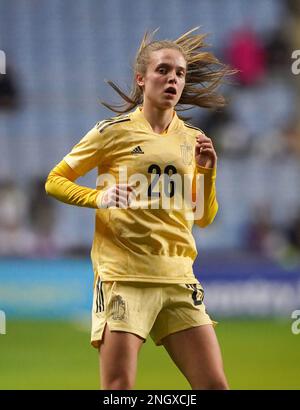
pixel 85 156
pixel 60 184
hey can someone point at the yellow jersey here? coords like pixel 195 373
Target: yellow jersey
pixel 151 241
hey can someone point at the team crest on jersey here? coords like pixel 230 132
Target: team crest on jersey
pixel 118 308
pixel 186 153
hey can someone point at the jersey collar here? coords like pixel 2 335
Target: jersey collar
pixel 139 116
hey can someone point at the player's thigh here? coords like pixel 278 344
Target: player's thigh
pixel 119 350
pixel 197 354
pixel 118 354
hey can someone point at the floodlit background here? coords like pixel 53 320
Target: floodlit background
pixel 58 54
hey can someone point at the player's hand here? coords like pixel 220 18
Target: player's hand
pixel 205 153
pixel 117 196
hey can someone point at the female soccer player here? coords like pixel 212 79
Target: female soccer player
pixel 156 177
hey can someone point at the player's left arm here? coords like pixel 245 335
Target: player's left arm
pixel 206 164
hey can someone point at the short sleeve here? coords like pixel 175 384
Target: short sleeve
pixel 90 151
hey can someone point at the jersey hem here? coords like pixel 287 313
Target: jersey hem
pixel 114 278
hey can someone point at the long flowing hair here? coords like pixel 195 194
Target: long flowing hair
pixel 205 73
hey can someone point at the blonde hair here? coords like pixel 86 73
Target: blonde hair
pixel 204 73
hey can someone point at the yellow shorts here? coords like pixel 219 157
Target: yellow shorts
pixel 142 308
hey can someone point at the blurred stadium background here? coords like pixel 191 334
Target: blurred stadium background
pixel 58 54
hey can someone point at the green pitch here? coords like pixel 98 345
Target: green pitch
pixel 258 354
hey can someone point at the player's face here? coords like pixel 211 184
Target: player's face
pixel 164 79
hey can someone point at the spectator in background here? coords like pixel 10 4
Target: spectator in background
pixel 259 228
pixel 9 95
pixel 231 138
pixel 15 238
pixel 293 28
pixel 262 236
pixel 246 53
pixel 278 52
pixel 280 144
pixel 279 243
pixel 41 216
pixel 291 138
pixel 293 33
pixel 214 123
pixel 26 225
pixel 293 235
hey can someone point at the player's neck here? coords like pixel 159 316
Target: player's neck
pixel 158 119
